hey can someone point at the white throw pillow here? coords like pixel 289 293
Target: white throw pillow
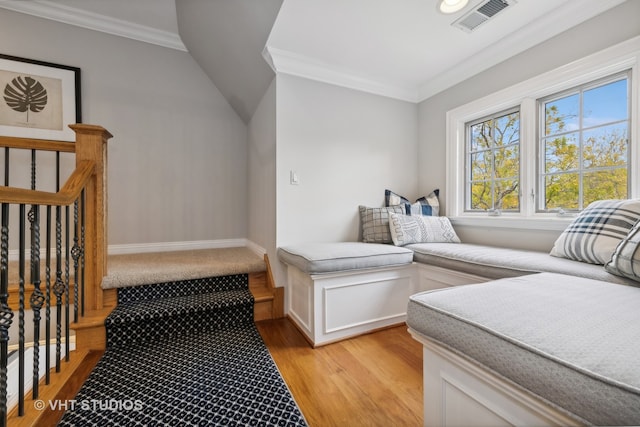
pixel 421 229
pixel 594 235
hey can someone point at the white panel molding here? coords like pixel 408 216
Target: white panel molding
pixel 286 62
pixel 93 21
pixel 491 393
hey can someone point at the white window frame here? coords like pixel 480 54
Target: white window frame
pixel 493 149
pixel 616 59
pixel 580 170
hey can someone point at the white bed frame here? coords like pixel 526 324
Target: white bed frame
pixel 458 392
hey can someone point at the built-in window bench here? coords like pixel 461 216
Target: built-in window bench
pixel 339 290
pixel 344 289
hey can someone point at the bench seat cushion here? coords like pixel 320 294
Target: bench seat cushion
pixel 571 341
pixel 497 263
pixel 319 258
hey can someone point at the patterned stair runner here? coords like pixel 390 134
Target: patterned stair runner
pixel 185 353
pixel 175 309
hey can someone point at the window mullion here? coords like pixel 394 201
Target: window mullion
pixel 528 156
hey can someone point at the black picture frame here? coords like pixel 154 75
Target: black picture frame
pixel 38 99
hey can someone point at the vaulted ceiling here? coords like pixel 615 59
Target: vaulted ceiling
pixel 403 49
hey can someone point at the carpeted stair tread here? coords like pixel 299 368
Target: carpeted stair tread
pixel 182 288
pixel 158 267
pixel 176 306
pixel 139 322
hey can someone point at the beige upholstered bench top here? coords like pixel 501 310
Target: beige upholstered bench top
pixel 322 258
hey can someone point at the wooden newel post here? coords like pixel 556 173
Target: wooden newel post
pixel 91 144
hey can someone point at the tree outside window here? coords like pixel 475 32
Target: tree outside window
pixel 584 145
pixel 493 163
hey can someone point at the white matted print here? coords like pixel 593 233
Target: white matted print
pixel 38 99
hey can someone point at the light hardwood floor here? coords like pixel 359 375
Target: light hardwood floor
pixel 371 380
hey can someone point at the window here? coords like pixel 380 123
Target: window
pixel 493 171
pixel 584 145
pixel 534 154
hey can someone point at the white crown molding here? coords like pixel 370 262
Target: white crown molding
pixel 282 61
pixel 286 62
pixel 515 43
pixel 93 21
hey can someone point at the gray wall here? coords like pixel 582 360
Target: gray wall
pixel 178 159
pixel 347 147
pixel 608 29
pixel 262 174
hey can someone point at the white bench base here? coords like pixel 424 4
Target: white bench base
pixel 334 306
pixel 458 392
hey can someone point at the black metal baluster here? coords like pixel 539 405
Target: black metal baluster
pixel 58 287
pixel 6 314
pixel 21 263
pixel 48 299
pixel 75 253
pixel 66 286
pixel 82 246
pixel 37 298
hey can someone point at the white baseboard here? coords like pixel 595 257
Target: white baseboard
pixel 136 248
pixel 259 250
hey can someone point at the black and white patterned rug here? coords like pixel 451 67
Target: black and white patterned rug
pixel 208 373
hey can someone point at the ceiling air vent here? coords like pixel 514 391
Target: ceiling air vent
pixel 481 14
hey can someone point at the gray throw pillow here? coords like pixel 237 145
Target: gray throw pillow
pixel 375 223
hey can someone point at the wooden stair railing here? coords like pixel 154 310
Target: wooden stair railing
pixel 85 192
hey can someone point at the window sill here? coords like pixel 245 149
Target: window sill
pixel 548 224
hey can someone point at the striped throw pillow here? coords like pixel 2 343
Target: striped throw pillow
pixel 626 259
pixel 426 205
pixel 594 235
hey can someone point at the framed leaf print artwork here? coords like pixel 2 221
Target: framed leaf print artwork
pixel 38 99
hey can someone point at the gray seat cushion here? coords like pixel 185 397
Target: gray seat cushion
pixel 318 258
pixel 497 263
pixel 574 342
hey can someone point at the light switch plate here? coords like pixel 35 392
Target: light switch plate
pixel 294 179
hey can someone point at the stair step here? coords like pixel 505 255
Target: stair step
pixel 182 288
pixel 90 330
pixel 92 318
pixel 133 323
pixel 260 295
pixel 168 307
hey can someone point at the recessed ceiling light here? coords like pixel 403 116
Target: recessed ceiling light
pixel 451 6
